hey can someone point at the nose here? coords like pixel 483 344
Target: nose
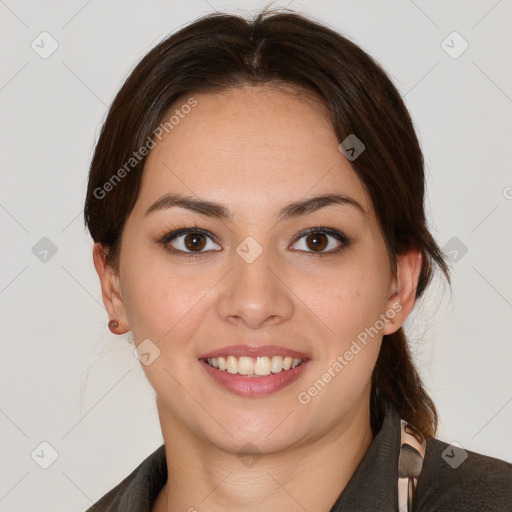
pixel 255 293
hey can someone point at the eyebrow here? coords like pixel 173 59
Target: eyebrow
pixel 217 210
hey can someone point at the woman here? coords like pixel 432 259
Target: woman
pixel 256 203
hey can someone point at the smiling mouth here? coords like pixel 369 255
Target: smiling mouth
pixel 254 366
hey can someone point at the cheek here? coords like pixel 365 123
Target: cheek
pixel 162 298
pixel 163 305
pixel 349 297
pixel 351 303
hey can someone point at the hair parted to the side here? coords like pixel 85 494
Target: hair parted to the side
pixel 221 51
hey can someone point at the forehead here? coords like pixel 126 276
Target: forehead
pixel 249 146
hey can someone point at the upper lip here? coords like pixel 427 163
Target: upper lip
pixel 254 351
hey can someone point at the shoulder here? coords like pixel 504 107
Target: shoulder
pixel 460 480
pixel 110 501
pixel 139 489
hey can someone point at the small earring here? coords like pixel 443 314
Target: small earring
pixel 113 325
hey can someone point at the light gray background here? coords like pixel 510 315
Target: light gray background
pixel 67 381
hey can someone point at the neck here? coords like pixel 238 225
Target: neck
pixel 308 477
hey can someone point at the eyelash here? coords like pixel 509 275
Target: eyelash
pixel 338 235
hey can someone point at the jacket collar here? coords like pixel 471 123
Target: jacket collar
pixel 373 485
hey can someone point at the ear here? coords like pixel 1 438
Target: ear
pixel 110 289
pixel 402 292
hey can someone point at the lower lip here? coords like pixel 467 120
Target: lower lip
pixel 255 385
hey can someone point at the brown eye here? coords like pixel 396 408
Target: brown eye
pixel 317 241
pixel 190 242
pixel 194 241
pixel 321 241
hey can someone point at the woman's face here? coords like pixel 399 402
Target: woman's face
pixel 253 284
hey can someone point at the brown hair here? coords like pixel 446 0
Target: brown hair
pixel 220 51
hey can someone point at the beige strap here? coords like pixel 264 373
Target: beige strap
pixel 410 464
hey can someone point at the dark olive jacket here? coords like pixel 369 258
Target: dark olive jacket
pixel 448 482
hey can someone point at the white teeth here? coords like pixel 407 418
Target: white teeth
pixel 277 364
pixel 232 365
pixel 261 365
pixel 245 366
